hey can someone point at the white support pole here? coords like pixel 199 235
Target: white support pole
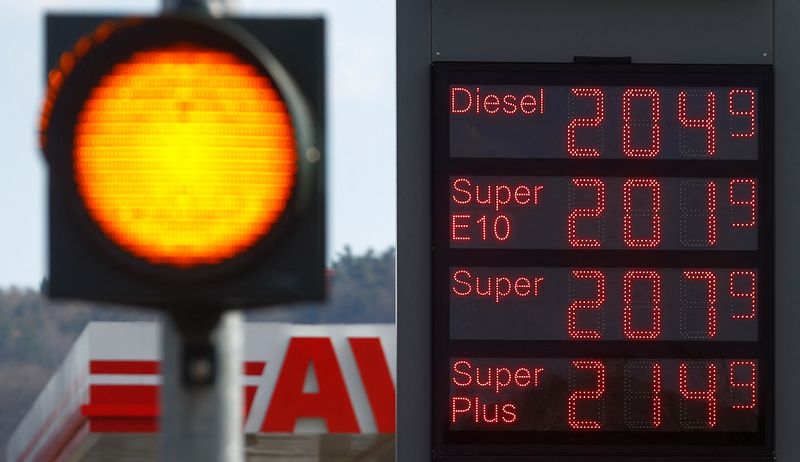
pixel 201 397
pixel 215 8
pixel 201 392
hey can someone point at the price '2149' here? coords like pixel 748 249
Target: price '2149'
pixel 740 377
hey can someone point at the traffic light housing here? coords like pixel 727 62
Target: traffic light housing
pixel 186 160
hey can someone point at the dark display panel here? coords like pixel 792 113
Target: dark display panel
pixel 609 394
pixel 600 121
pixel 640 304
pixel 604 212
pixel 602 260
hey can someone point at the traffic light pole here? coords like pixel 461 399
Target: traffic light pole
pixel 201 395
pixel 215 8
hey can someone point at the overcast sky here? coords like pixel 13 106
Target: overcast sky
pixel 361 121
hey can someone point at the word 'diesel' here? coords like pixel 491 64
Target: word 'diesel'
pixel 469 100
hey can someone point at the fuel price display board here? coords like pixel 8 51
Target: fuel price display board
pixel 602 260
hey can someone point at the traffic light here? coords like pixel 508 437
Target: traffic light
pixel 186 161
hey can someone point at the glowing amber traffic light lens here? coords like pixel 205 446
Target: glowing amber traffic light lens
pixel 185 156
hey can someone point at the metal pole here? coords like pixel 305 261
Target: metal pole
pixel 215 8
pixel 414 38
pixel 201 393
pixel 787 226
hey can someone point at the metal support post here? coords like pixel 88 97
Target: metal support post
pixel 201 393
pixel 215 8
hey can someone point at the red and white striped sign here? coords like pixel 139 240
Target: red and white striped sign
pixel 296 379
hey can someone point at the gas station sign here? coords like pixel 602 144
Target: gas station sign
pixel 603 259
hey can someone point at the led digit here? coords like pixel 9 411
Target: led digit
pixel 709 394
pixel 627 122
pixel 711 283
pixel 596 304
pixel 690 209
pixel 595 121
pixel 653 395
pixel 656 384
pixel 750 112
pixel 654 331
pixel 711 200
pixel 749 384
pixel 582 395
pixel 750 293
pixel 482 222
pixel 655 212
pixel 502 228
pixel 596 212
pixel 750 202
pixel 708 123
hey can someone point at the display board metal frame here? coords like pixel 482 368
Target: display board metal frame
pixel 630 445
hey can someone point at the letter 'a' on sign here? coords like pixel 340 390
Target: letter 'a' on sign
pixel 185 166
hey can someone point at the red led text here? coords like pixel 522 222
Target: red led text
pixel 470 100
pixel 465 374
pixel 495 196
pixel 498 287
pixel 481 412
